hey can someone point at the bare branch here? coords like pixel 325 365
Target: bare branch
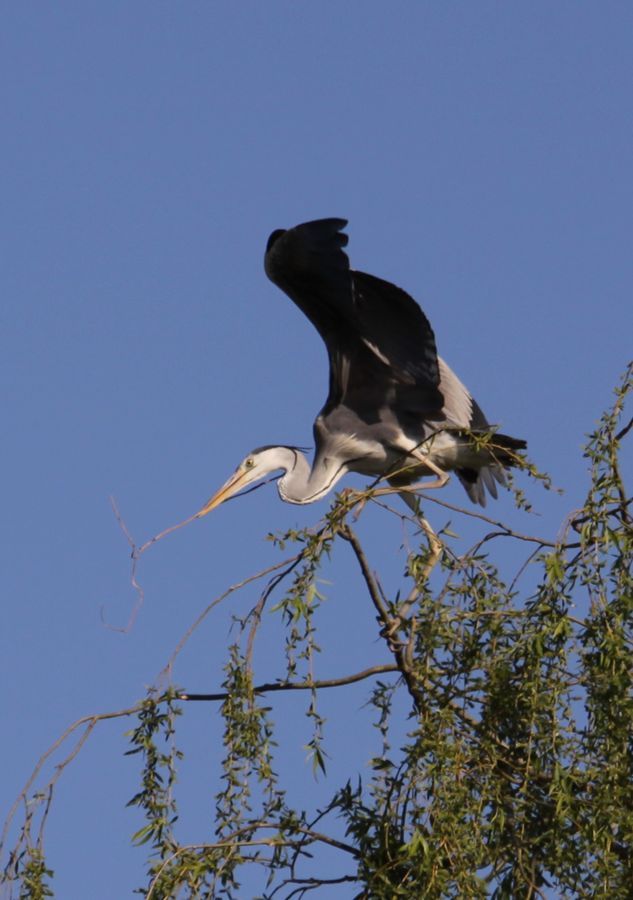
pixel 276 686
pixel 167 668
pixel 372 586
pixel 396 649
pixel 625 430
pixel 89 722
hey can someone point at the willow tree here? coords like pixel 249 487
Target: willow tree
pixel 504 765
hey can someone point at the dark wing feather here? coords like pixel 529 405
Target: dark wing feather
pixel 392 324
pixel 377 337
pixel 308 263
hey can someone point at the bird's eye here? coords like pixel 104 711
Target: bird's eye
pixel 249 463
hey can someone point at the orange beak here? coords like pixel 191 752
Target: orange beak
pixel 235 484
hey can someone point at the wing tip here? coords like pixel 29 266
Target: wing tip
pixel 312 247
pixel 274 237
pixel 329 226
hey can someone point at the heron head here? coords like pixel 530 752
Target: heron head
pixel 254 467
pixel 251 469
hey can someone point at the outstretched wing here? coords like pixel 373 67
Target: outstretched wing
pixel 308 263
pixel 377 337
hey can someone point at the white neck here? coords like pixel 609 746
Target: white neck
pixel 302 484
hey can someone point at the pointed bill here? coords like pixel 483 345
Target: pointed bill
pixel 235 483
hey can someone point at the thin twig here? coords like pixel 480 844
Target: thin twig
pixel 625 430
pixel 167 668
pixel 136 554
pixel 272 686
pixel 313 884
pixel 90 722
pixel 231 841
pixel 256 612
pixel 505 529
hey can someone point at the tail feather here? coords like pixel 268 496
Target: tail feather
pixel 476 482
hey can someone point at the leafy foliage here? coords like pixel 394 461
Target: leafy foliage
pixel 515 775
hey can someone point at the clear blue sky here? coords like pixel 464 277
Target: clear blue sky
pixel 482 154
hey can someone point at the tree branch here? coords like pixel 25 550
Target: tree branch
pixel 397 649
pixel 277 686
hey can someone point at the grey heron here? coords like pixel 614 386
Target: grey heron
pixel 395 409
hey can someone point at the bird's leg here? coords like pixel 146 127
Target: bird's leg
pixel 435 551
pixel 440 481
pixel 404 490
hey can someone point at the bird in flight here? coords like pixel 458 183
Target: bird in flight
pixel 394 409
